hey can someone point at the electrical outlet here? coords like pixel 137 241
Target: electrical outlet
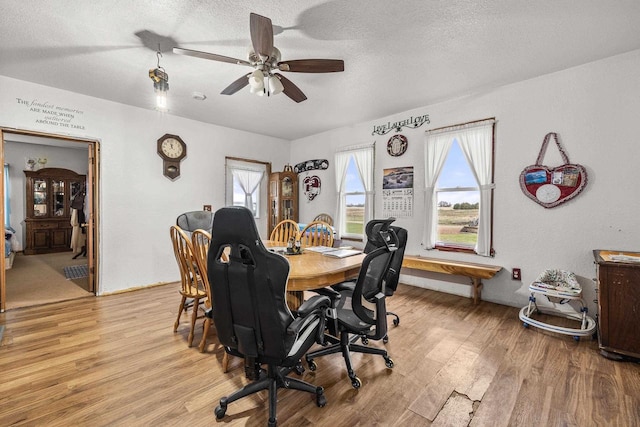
pixel 206 208
pixel 516 274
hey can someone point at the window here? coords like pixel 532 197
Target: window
pixel 354 181
pixel 243 184
pixel 458 201
pixel 354 196
pixel 459 188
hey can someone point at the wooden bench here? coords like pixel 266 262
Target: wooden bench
pixel 476 272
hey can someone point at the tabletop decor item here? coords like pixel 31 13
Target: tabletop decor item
pixel 397 145
pixel 30 163
pixel 552 186
pixel 294 247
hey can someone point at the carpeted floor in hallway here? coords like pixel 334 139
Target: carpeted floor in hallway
pixel 40 279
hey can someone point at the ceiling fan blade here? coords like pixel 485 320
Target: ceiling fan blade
pixel 291 90
pixel 236 86
pixel 261 34
pixel 312 65
pixel 212 56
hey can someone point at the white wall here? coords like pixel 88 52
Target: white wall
pixel 138 204
pixel 15 155
pixel 594 109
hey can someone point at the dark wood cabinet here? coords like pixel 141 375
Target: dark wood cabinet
pixel 618 284
pixel 48 211
pixel 283 197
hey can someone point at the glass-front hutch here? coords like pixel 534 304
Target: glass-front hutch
pixel 283 197
pixel 50 192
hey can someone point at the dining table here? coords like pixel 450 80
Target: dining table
pixel 312 270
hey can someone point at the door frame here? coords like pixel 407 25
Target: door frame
pixel 92 203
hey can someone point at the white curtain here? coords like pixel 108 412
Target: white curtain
pixel 477 146
pixel 435 153
pixel 364 160
pixel 249 180
pixel 341 161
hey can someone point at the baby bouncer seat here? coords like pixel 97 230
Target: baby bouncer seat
pixel 559 288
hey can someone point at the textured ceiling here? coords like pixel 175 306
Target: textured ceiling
pixel 398 55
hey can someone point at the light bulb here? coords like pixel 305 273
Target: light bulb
pixel 256 79
pixel 275 85
pixel 161 101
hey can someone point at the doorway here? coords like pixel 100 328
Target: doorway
pixel 62 277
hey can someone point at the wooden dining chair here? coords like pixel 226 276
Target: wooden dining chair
pixel 324 218
pixel 284 231
pixel 201 239
pixel 316 233
pixel 192 285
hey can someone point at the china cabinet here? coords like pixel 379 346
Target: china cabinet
pixel 618 285
pixel 50 192
pixel 283 197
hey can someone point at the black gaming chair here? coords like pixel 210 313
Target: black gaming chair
pixel 250 312
pixel 360 308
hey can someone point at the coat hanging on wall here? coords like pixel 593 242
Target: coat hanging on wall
pixel 551 187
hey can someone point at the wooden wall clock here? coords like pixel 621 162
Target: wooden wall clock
pixel 172 149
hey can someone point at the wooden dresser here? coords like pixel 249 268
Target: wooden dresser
pixel 618 284
pixel 48 209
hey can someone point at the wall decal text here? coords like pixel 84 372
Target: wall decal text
pixel 48 113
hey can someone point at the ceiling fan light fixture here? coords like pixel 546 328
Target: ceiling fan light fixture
pixel 256 90
pixel 256 80
pixel 275 85
pixel 264 58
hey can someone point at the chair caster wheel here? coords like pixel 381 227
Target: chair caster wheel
pixel 389 362
pixel 385 339
pixel 526 325
pixel 576 338
pixel 321 399
pixel 299 369
pixel 356 383
pixel 272 423
pixel 396 322
pixel 220 411
pixel 312 365
pixel 365 340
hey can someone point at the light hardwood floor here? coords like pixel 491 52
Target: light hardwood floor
pixel 115 361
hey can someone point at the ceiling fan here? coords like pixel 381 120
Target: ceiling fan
pixel 265 58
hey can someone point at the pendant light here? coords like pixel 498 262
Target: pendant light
pixel 160 84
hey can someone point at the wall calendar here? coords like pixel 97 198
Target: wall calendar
pixel 397 192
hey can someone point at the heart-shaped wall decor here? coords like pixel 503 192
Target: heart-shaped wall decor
pixel 312 186
pixel 551 187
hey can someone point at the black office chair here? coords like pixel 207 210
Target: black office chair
pixel 360 309
pixel 250 310
pixel 374 241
